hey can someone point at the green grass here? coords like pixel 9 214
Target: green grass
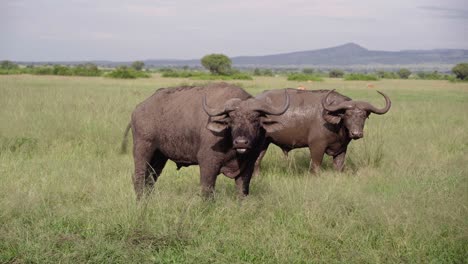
pixel 66 194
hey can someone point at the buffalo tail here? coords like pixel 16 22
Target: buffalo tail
pixel 123 148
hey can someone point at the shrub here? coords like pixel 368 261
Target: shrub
pixel 8 65
pixel 219 64
pixel 308 71
pixel 303 77
pixel 138 65
pixel 123 72
pixel 262 72
pixel 61 70
pixel 435 75
pixel 461 71
pixel 360 77
pixel 404 73
pixel 335 73
pixel 181 74
pixel 386 75
pixel 88 69
pixel 236 76
pixel 43 70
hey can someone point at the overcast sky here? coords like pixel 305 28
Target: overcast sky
pixel 54 30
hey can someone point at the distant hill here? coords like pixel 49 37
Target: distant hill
pixel 347 56
pixel 353 54
pixel 344 56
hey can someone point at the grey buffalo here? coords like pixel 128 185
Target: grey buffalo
pixel 322 120
pixel 219 127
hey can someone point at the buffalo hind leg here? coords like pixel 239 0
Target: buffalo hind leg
pixel 142 155
pixel 256 170
pixel 316 156
pixel 339 160
pixel 155 169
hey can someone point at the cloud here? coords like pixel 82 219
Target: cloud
pixel 452 13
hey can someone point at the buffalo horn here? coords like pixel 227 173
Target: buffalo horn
pixel 271 110
pixel 333 108
pixel 228 107
pixel 376 110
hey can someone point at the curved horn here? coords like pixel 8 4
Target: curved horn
pixel 376 110
pixel 228 107
pixel 333 108
pixel 212 111
pixel 271 110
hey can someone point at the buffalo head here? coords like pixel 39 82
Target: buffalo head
pixel 352 113
pixel 243 119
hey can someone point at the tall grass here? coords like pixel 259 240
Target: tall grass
pixel 66 194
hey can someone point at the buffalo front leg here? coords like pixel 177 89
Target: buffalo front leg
pixel 316 157
pixel 339 160
pixel 243 182
pixel 208 175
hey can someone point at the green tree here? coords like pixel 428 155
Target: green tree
pixel 461 71
pixel 268 72
pixel 335 73
pixel 257 72
pixel 8 65
pixel 308 71
pixel 404 73
pixel 218 64
pixel 138 65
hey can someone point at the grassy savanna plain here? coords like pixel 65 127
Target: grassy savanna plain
pixel 66 193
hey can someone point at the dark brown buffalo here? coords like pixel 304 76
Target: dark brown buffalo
pixel 178 124
pixel 324 121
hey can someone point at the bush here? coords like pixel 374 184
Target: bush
pixel 304 77
pixel 404 73
pixel 88 69
pixel 43 70
pixel 61 70
pixel 8 65
pixel 461 71
pixel 335 73
pixel 138 65
pixel 123 72
pixel 218 64
pixel 308 71
pixel 435 75
pixel 360 77
pixel 236 76
pixel 181 74
pixel 386 75
pixel 264 72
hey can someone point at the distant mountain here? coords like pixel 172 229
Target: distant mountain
pixel 344 56
pixel 348 56
pixel 353 54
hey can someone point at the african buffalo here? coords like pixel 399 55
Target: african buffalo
pixel 325 121
pixel 178 124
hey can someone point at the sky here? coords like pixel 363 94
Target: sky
pixel 117 30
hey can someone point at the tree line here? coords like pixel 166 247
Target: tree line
pixel 219 66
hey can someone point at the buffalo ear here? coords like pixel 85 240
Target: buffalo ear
pixel 271 126
pixel 217 125
pixel 332 118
